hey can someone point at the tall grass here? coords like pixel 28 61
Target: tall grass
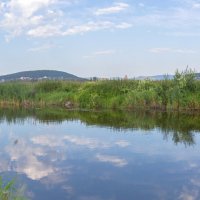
pixel 8 191
pixel 181 93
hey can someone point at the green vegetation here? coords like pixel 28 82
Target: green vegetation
pixel 9 192
pixel 181 93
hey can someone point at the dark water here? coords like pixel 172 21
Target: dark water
pixel 62 155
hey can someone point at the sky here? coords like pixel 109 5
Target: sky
pixel 104 38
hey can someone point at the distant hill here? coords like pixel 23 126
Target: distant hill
pixel 40 75
pixel 162 77
pixel 156 78
pixel 198 76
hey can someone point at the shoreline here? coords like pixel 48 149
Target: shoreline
pixel 45 105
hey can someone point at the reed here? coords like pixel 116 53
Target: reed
pixel 8 191
pixel 181 93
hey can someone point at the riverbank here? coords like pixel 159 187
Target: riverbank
pixel 180 94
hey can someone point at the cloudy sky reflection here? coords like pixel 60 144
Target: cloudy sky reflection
pixel 76 161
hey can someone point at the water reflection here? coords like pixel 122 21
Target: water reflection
pixel 116 161
pixel 24 158
pixel 38 156
pixel 179 127
pixel 82 155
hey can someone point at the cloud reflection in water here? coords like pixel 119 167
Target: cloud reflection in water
pixel 38 157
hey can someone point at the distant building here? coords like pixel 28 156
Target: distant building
pixel 125 77
pixel 25 78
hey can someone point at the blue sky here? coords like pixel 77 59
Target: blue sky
pixel 105 38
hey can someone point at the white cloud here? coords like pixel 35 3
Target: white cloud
pixel 90 26
pixel 58 30
pixel 45 31
pixel 122 143
pixel 171 50
pixel 51 18
pixel 118 7
pixel 87 142
pixel 196 5
pixel 94 26
pixel 28 162
pixel 48 140
pixel 116 161
pixel 27 156
pixel 189 194
pixel 19 15
pixel 34 169
pixel 48 18
pixel 28 7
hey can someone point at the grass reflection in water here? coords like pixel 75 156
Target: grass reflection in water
pixel 179 127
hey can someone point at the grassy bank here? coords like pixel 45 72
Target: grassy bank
pixel 181 93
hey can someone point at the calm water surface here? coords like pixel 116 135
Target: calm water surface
pixel 62 155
